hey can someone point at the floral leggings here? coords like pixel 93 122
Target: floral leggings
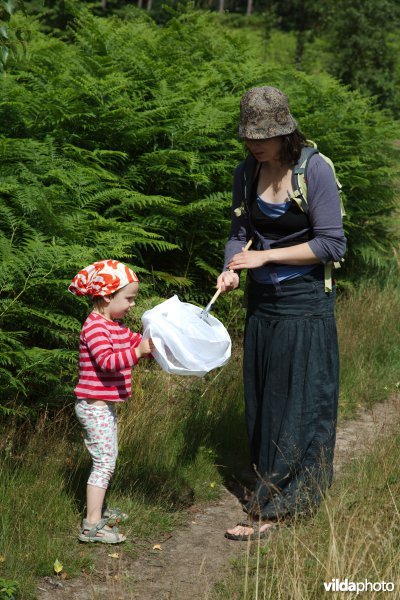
pixel 100 433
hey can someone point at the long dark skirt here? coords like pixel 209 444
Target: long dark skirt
pixel 291 377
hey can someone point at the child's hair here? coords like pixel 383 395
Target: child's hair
pixel 99 303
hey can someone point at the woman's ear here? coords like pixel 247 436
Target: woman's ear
pixel 107 299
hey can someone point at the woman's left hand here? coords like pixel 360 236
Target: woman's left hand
pixel 248 259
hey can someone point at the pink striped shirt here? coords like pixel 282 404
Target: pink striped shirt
pixel 106 356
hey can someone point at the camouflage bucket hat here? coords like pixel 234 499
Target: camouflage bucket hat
pixel 264 113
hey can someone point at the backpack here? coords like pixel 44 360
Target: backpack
pixel 300 177
pixel 300 196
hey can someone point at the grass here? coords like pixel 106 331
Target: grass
pixel 169 441
pixel 179 439
pixel 354 535
pixel 369 339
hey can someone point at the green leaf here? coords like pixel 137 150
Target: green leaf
pixel 10 6
pixel 4 54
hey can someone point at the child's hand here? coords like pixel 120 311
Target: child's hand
pixel 145 348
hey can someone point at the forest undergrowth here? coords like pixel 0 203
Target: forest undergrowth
pixel 175 446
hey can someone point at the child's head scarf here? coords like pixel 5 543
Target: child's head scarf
pixel 102 278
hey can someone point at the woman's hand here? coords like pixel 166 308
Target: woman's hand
pixel 248 259
pixel 227 281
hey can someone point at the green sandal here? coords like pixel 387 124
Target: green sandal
pixel 98 533
pixel 114 516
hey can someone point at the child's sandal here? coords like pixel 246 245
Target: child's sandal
pixel 114 516
pixel 98 533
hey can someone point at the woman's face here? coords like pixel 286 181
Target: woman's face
pixel 265 150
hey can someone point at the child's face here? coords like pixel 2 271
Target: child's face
pixel 121 302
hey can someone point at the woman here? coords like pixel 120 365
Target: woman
pixel 291 364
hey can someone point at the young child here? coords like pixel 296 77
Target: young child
pixel 107 352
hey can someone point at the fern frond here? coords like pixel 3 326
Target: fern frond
pixel 174 280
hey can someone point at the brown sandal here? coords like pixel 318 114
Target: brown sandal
pixel 256 535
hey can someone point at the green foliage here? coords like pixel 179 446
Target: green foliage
pixel 120 141
pixel 12 39
pixel 8 589
pixel 169 438
pixel 361 55
pixel 305 17
pixel 35 503
pixel 369 363
pixel 356 42
pixel 343 125
pixel 102 134
pixel 51 228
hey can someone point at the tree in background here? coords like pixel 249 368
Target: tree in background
pixel 361 55
pixel 12 40
pixel 305 17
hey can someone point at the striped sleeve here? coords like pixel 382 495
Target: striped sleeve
pixel 100 348
pixel 136 338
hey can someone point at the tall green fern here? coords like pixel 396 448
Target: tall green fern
pixel 119 140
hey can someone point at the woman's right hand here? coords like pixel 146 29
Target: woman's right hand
pixel 228 281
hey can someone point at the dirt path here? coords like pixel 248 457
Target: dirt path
pixel 357 435
pixel 197 555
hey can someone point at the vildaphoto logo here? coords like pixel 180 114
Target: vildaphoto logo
pixel 336 585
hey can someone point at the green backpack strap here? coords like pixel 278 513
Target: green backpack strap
pixel 328 268
pixel 300 195
pixel 300 177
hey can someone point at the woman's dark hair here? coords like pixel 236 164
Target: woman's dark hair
pixel 292 144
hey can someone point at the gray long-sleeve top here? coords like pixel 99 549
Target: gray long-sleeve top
pixel 325 231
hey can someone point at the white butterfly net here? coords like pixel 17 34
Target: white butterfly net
pixel 185 343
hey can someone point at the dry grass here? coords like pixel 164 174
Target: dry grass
pixel 369 339
pixel 353 536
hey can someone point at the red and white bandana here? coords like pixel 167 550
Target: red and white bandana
pixel 102 278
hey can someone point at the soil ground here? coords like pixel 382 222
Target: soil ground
pixel 196 556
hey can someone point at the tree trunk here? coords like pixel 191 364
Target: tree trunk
pixel 249 9
pixel 149 5
pixel 221 6
pixel 299 48
pixel 140 4
pixel 104 4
